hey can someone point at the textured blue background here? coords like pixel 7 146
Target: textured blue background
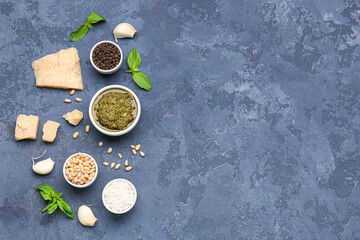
pixel 251 130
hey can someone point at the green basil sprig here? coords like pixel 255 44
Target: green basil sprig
pixel 134 61
pixel 81 32
pixel 55 200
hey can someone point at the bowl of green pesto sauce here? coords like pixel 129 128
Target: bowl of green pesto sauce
pixel 114 110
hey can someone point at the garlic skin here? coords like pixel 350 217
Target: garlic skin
pixel 86 216
pixel 124 30
pixel 43 167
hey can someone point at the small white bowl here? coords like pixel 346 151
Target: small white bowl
pixel 132 205
pixel 108 132
pixel 101 70
pixel 86 184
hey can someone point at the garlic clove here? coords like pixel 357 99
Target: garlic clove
pixel 86 216
pixel 43 167
pixel 124 30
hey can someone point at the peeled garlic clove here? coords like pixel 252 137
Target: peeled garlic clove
pixel 43 167
pixel 124 30
pixel 86 216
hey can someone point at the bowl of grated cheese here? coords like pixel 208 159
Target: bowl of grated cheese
pixel 119 196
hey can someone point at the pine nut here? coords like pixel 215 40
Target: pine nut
pixel 120 156
pixel 137 148
pixel 126 163
pixel 72 92
pixel 109 150
pixel 106 163
pixel 128 168
pixel 142 154
pixel 87 129
pixel 78 170
pixel 132 146
pixel 117 166
pixel 75 135
pixel 67 100
pixel 112 165
pixel 101 144
pixel 78 99
pixel 134 151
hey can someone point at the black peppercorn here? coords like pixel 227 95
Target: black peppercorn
pixel 106 56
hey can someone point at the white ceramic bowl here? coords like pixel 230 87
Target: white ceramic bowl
pixel 83 185
pixel 108 132
pixel 132 205
pixel 101 70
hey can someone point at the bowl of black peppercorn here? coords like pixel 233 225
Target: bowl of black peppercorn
pixel 106 57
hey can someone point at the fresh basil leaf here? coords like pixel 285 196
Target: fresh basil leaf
pixel 52 208
pixel 134 59
pixel 94 18
pixel 88 24
pixel 79 34
pixel 65 208
pixel 53 194
pixel 45 188
pixel 58 195
pixel 45 195
pixel 142 80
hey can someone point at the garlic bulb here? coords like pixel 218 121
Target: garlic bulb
pixel 124 30
pixel 86 216
pixel 43 167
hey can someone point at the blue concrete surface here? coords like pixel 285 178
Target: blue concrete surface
pixel 251 130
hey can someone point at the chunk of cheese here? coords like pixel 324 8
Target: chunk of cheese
pixel 49 131
pixel 59 70
pixel 26 127
pixel 74 117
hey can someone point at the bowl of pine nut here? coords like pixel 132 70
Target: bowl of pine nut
pixel 80 170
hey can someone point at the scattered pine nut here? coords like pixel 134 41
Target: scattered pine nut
pixel 117 166
pixel 120 156
pixel 142 154
pixel 72 92
pixel 137 148
pixel 112 165
pixel 128 168
pixel 87 129
pixel 132 146
pixel 126 163
pixel 78 99
pixel 101 144
pixel 134 151
pixel 106 163
pixel 75 135
pixel 109 150
pixel 67 100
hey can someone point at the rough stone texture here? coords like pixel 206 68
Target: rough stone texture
pixel 251 129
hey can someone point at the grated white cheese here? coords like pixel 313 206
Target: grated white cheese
pixel 119 195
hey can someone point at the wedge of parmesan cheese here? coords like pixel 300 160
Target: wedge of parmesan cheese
pixel 74 117
pixel 26 127
pixel 59 70
pixel 49 131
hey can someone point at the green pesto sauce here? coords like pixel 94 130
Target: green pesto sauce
pixel 115 110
